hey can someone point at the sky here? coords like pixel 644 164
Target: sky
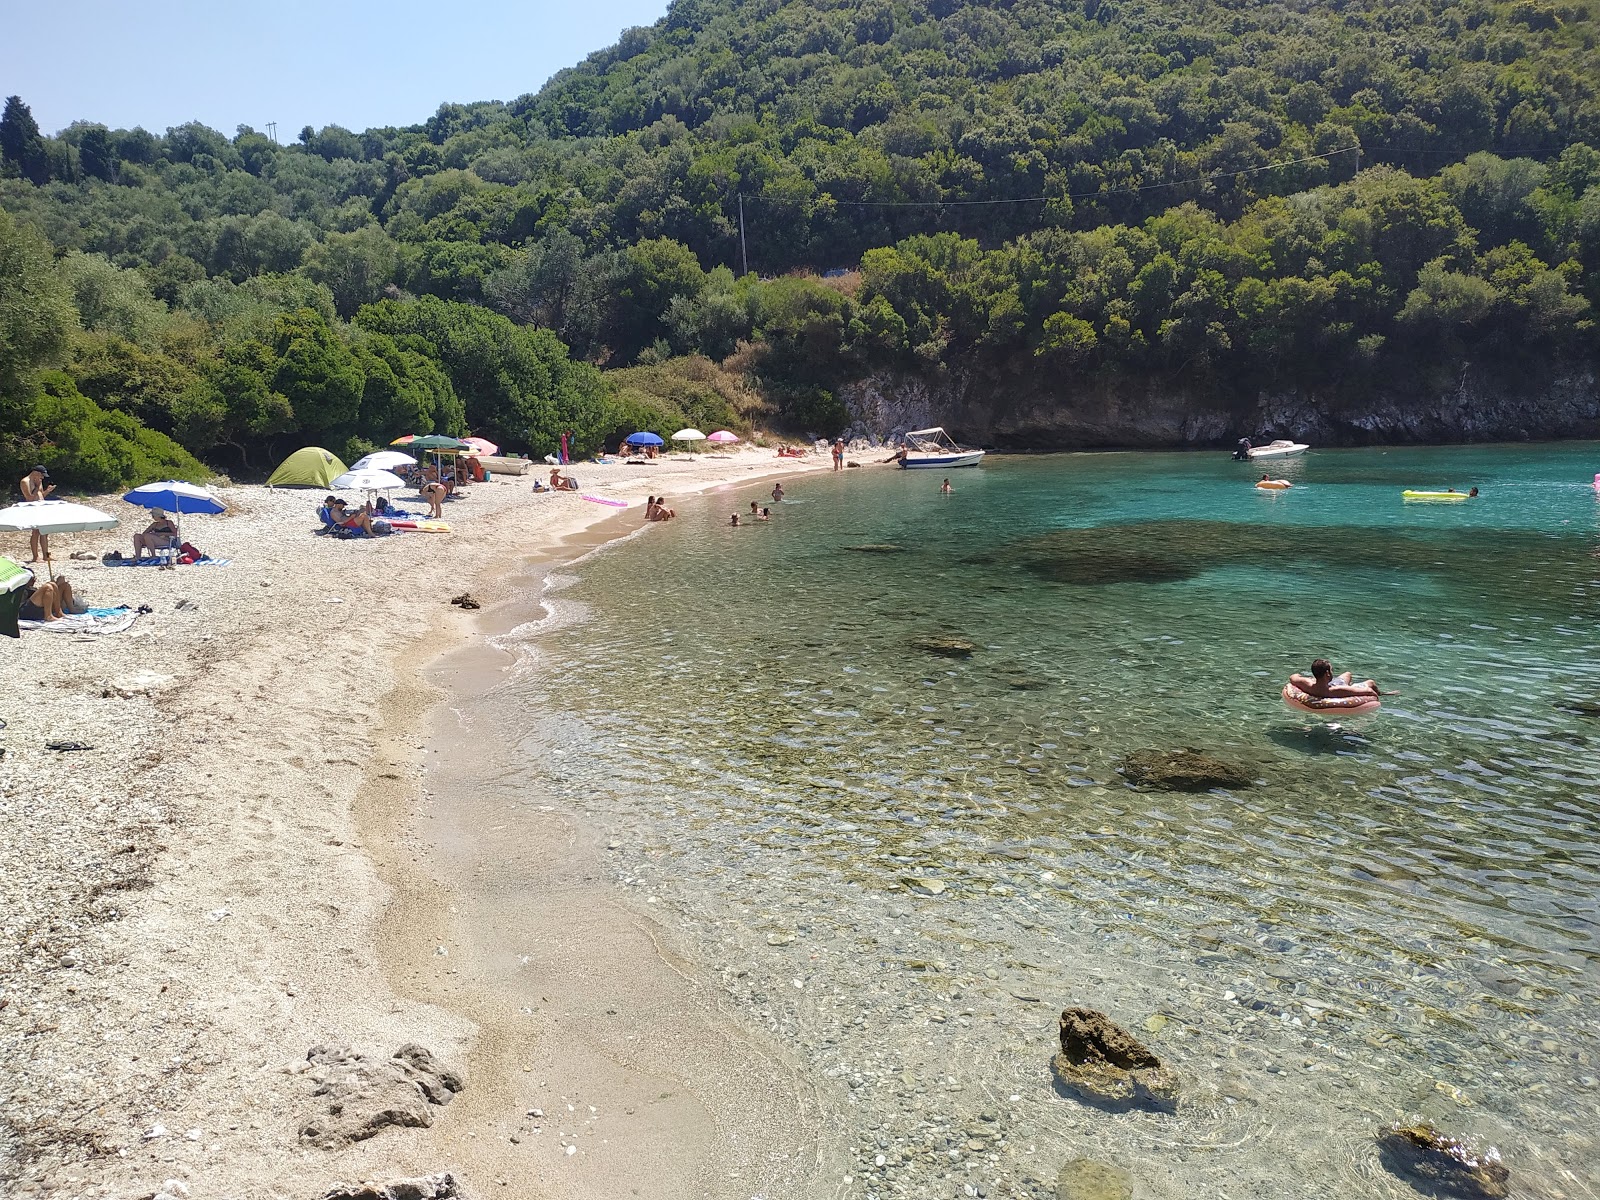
pixel 356 63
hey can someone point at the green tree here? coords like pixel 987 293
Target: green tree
pixel 20 142
pixel 316 372
pixel 36 312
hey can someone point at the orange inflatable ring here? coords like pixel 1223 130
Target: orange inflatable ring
pixel 1274 485
pixel 1341 706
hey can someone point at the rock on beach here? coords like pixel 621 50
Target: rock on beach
pixel 422 1187
pixel 1105 1065
pixel 363 1096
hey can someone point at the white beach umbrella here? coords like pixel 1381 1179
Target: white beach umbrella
pixel 688 435
pixel 383 460
pixel 52 516
pixel 367 480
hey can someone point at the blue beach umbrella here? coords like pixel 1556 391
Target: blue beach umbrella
pixel 177 498
pixel 644 439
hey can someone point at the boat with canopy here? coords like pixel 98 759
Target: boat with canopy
pixel 936 448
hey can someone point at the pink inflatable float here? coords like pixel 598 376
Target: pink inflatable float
pixel 1339 706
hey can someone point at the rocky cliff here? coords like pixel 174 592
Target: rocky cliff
pixel 1057 414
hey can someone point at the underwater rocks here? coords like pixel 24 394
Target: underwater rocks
pixel 366 1095
pixel 944 646
pixel 1104 1064
pixel 1584 708
pixel 1442 1163
pixel 422 1187
pixel 1187 770
pixel 877 548
pixel 1086 1179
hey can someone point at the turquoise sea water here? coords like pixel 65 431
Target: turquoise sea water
pixel 1402 915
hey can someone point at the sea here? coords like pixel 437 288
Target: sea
pixel 865 762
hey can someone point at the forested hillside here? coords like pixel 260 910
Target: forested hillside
pixel 1240 196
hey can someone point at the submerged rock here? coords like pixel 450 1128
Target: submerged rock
pixel 877 548
pixel 1106 1065
pixel 945 647
pixel 1186 770
pixel 422 1187
pixel 1086 1179
pixel 1442 1163
pixel 1026 683
pixel 1584 708
pixel 366 1095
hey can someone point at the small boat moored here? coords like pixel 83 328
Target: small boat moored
pixel 935 448
pixel 1282 448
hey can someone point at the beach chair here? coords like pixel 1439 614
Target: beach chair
pixel 330 526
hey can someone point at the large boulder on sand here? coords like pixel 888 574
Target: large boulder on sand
pixel 1441 1163
pixel 1106 1065
pixel 362 1096
pixel 421 1187
pixel 1187 770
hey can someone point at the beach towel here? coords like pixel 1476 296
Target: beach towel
pixel 112 621
pixel 156 562
pixel 420 526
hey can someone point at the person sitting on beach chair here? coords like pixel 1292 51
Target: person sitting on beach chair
pixel 358 519
pixel 161 534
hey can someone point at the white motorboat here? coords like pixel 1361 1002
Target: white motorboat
pixel 1278 449
pixel 936 448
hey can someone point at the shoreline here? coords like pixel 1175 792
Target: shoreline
pixel 237 835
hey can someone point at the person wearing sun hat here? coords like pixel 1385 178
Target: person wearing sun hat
pixel 33 487
pixel 161 534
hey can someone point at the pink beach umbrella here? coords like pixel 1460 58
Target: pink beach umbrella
pixel 723 438
pixel 482 445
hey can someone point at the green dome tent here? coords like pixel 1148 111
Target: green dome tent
pixel 311 467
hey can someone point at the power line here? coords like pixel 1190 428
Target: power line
pixel 1145 187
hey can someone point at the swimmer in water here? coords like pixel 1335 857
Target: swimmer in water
pixel 1325 685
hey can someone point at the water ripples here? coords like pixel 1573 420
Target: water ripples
pixel 1403 914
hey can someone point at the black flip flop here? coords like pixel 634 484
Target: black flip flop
pixel 65 746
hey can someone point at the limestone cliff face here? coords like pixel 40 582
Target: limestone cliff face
pixel 1062 414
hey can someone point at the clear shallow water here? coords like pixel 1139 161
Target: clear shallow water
pixel 1401 917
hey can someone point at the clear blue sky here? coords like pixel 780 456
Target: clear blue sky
pixel 356 63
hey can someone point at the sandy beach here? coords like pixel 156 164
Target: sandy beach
pixel 259 852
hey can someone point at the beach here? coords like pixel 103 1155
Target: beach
pixel 242 864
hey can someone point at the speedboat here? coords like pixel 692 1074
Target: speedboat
pixel 936 448
pixel 1278 449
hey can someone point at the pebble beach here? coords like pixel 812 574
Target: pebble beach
pixel 208 889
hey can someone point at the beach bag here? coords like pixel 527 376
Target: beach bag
pixel 188 554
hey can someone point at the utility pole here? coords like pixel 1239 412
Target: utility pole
pixel 272 130
pixel 744 253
